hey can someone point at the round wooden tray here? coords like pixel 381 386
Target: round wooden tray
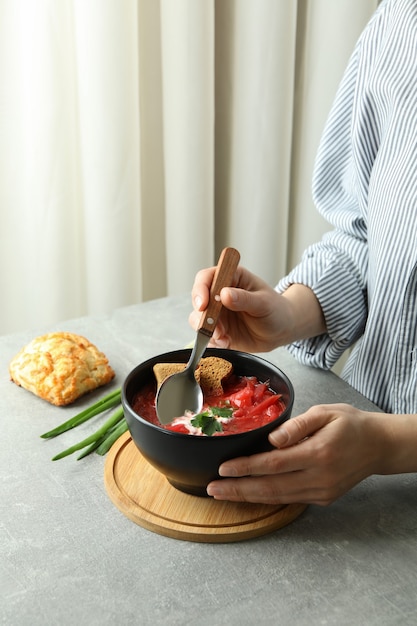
pixel 146 497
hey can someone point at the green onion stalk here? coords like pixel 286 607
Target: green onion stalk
pixel 104 437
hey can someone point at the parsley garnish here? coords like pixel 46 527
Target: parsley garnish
pixel 207 419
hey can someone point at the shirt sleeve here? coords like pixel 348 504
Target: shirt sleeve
pixel 336 267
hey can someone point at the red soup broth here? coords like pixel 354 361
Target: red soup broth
pixel 254 404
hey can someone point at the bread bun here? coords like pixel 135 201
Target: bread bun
pixel 60 367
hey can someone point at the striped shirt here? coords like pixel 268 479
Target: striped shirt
pixel 364 272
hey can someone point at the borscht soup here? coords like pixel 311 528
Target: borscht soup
pixel 245 404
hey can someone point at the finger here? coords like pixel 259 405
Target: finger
pixel 266 463
pixel 286 489
pixel 200 291
pixel 219 339
pixel 258 489
pixel 193 319
pixel 305 425
pixel 254 303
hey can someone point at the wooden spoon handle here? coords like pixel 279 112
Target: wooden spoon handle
pixel 223 276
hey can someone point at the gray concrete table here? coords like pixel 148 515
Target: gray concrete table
pixel 69 556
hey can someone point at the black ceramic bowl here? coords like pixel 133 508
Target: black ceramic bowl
pixel 190 462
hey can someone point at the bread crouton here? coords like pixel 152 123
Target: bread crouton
pixel 210 373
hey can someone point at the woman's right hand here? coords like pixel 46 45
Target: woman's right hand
pixel 253 313
pixel 255 317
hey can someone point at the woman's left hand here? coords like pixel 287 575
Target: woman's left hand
pixel 318 456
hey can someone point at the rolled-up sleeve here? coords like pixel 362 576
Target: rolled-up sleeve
pixel 332 273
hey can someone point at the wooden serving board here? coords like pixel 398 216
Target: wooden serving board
pixel 146 497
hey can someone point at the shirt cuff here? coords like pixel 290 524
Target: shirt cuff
pixel 343 303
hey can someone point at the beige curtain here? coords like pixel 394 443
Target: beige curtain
pixel 138 137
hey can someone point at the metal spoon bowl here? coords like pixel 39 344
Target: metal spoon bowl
pixel 181 392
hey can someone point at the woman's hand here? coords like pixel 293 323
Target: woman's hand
pixel 255 317
pixel 318 456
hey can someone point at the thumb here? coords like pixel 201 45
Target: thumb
pixel 298 428
pixel 236 299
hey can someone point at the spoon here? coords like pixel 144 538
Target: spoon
pixel 181 392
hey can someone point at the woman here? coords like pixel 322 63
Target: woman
pixel 357 287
